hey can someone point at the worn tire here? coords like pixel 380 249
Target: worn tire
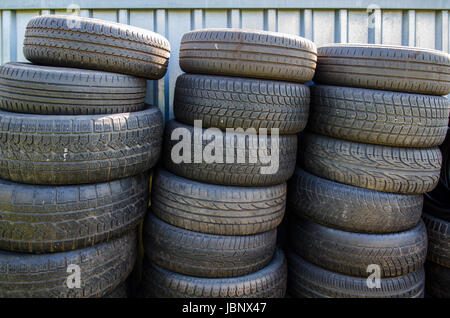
pixel 393 68
pixel 215 209
pixel 307 280
pixel 61 150
pixel 206 255
pixel 119 292
pixel 34 89
pixel 248 53
pixel 379 117
pixel 375 167
pixel 233 102
pixel 349 253
pixel 96 44
pixel 437 280
pixel 349 208
pixel 438 240
pixel 233 174
pixel 269 282
pixel 48 219
pixel 103 267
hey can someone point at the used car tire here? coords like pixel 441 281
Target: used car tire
pixel 438 240
pixel 73 41
pixel 269 282
pixel 396 254
pixel 36 89
pixel 307 280
pixel 375 167
pixel 216 209
pixel 206 255
pixel 119 292
pixel 349 208
pixel 437 280
pixel 49 219
pixel 233 174
pixel 233 102
pixel 379 117
pixel 393 68
pixel 103 268
pixel 67 150
pixel 248 53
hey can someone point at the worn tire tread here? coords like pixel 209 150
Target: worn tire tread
pixel 96 44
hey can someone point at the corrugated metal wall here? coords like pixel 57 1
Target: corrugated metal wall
pixel 427 28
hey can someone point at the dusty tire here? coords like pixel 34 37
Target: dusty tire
pixel 375 167
pixel 49 219
pixel 349 208
pixel 307 280
pixel 438 240
pixel 233 174
pixel 119 292
pixel 349 253
pixel 34 89
pixel 248 53
pixel 206 255
pixel 61 150
pixel 96 44
pixel 215 209
pixel 232 102
pixel 269 282
pixel 379 117
pixel 393 68
pixel 437 280
pixel 103 268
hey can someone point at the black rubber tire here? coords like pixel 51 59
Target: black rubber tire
pixel 349 253
pixel 438 240
pixel 233 102
pixel 35 89
pixel 206 255
pixel 437 280
pixel 215 209
pixel 232 174
pixel 104 267
pixel 307 280
pixel 119 292
pixel 393 68
pixel 49 219
pixel 61 150
pixel 379 117
pixel 269 282
pixel 375 167
pixel 349 208
pixel 248 53
pixel 72 41
pixel 437 202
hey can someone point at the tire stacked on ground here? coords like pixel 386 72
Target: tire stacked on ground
pixel 213 227
pixel 370 152
pixel 76 149
pixel 436 215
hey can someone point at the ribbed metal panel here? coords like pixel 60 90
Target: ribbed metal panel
pixel 422 25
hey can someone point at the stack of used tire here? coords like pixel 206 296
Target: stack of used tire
pixel 436 215
pixel 369 154
pixel 76 146
pixel 214 225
